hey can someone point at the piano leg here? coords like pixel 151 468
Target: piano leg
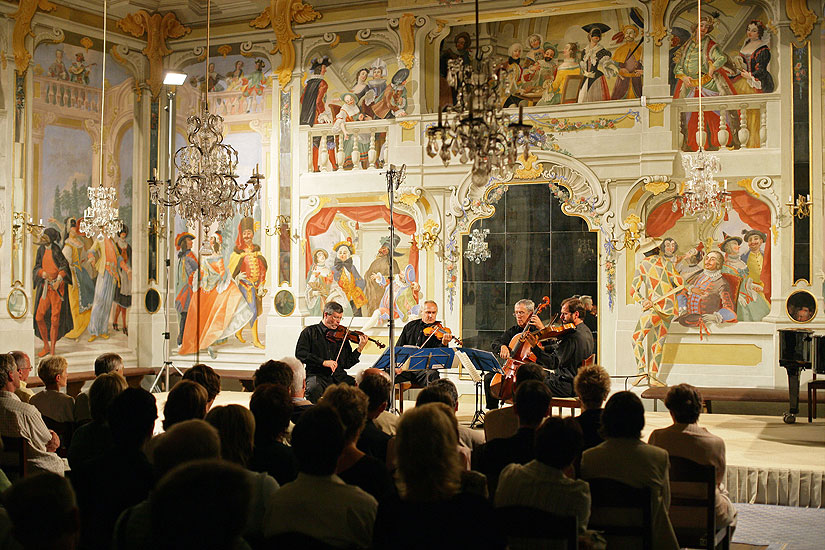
pixel 793 395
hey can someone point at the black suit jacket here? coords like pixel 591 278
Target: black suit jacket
pixel 312 350
pixel 491 458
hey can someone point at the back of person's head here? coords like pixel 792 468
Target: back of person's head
pixel 351 405
pixel 271 405
pixel 299 374
pixel 273 372
pixel 21 358
pixel 50 368
pixel 529 371
pixel 317 440
pixel 236 427
pixel 186 400
pixel 108 362
pixel 429 465
pixel 623 416
pixel 184 442
pixel 103 391
pixel 558 442
pixel 43 512
pixel 592 385
pixel 377 388
pixel 684 403
pixel 132 416
pixel 206 377
pixel 448 385
pixel 435 394
pixel 532 402
pixel 203 505
pixel 7 367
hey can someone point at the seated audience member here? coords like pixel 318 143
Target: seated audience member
pixel 547 482
pixel 18 419
pixel 273 372
pixel 51 402
pixel 105 363
pixel 623 456
pixel 532 404
pixel 592 385
pixel 386 421
pixel 236 428
pixel 318 503
pixel 686 439
pixel 271 406
pixel 206 377
pixel 429 472
pixel 201 505
pixel 440 394
pixel 468 437
pixel 24 367
pixel 298 388
pixel 504 422
pixel 186 401
pixel 108 485
pixel 354 466
pixel 373 441
pixel 43 513
pixel 94 438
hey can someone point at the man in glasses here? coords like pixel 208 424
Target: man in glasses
pixel 24 368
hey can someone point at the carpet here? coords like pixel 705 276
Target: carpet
pixel 768 527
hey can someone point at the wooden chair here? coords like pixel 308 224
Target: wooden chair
pixel 13 457
pixel 813 386
pixel 532 526
pixel 693 505
pixel 622 512
pixel 64 431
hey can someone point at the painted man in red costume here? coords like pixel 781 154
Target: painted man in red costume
pixel 248 267
pixel 53 314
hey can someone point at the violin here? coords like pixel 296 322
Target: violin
pixel 343 333
pixel 553 331
pixel 440 331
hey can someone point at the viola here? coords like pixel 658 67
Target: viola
pixel 440 331
pixel 343 333
pixel 553 331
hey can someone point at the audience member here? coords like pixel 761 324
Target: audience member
pixel 686 439
pixel 439 394
pixel 201 505
pixel 43 512
pixel 504 422
pixel 122 477
pixel 373 441
pixel 18 419
pixel 24 367
pixel 354 466
pixel 298 388
pixel 623 456
pixel 547 482
pixel 386 421
pixel 206 377
pixel 592 385
pixel 236 428
pixel 468 437
pixel 186 401
pixel 51 402
pixel 105 363
pixel 94 438
pixel 273 372
pixel 184 442
pixel 430 472
pixel 271 406
pixel 532 404
pixel 318 503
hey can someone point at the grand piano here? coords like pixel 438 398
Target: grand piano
pixel 799 349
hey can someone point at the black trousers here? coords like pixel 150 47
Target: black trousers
pixel 560 384
pixel 317 384
pixel 418 377
pixel 492 402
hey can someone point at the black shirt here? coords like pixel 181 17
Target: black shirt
pixel 372 476
pixel 313 349
pixel 413 335
pixel 504 340
pixel 571 351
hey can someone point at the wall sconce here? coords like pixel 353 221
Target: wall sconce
pixel 801 208
pixel 281 226
pixel 157 226
pixel 20 226
pixel 632 234
pixel 429 237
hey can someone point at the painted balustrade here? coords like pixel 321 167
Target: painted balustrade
pixel 68 95
pixel 735 121
pixel 354 147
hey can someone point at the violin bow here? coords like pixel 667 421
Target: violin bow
pixel 431 334
pixel 344 339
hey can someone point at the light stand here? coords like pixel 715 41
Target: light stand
pixel 394 179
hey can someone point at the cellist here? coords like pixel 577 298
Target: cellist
pixel 572 348
pixel 523 311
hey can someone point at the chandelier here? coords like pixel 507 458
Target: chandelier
pixel 477 249
pixel 206 190
pixel 476 128
pixel 702 196
pixel 101 219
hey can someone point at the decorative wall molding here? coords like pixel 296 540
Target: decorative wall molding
pixel 22 28
pixel 802 18
pixel 657 20
pixel 406 25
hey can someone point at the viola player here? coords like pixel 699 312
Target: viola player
pixel 326 358
pixel 570 350
pixel 413 335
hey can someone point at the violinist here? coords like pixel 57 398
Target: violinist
pixel 523 311
pixel 570 350
pixel 327 359
pixel 413 335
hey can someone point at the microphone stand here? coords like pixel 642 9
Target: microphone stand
pixel 395 176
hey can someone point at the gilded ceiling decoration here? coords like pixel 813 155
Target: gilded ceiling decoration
pixel 22 28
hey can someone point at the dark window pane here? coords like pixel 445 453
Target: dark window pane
pixel 528 209
pixel 562 222
pixel 528 257
pixel 491 269
pixel 574 256
pixel 484 306
pixel 496 223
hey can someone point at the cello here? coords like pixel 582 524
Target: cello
pixel 503 384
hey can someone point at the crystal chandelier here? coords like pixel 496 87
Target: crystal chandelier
pixel 702 196
pixel 477 249
pixel 477 130
pixel 101 218
pixel 206 190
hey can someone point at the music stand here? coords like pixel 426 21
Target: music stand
pixel 476 361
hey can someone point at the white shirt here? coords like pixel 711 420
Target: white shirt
pixel 18 419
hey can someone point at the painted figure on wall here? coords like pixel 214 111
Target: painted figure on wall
pixel 79 71
pixel 186 279
pixel 123 292
pixel 253 86
pixel 52 310
pixel 394 99
pixel 58 69
pixel 360 87
pixel 556 90
pixel 380 265
pixel 248 267
pixel 521 75
pixel 347 277
pixel 754 258
pixel 319 283
pixel 378 80
pixel 534 47
pixel 596 63
pixel 313 105
pixel 462 51
pixel 628 59
pixel 82 290
pixel 105 257
pixel 711 297
pixel 751 304
pixel 350 112
pixel 406 294
pixel 754 78
pixel 655 286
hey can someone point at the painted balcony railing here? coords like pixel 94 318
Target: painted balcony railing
pixel 68 95
pixel 731 122
pixel 234 102
pixel 352 146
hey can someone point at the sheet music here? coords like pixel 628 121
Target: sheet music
pixel 468 364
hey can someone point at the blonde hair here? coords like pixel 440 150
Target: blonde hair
pixel 429 466
pixel 51 367
pixel 351 404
